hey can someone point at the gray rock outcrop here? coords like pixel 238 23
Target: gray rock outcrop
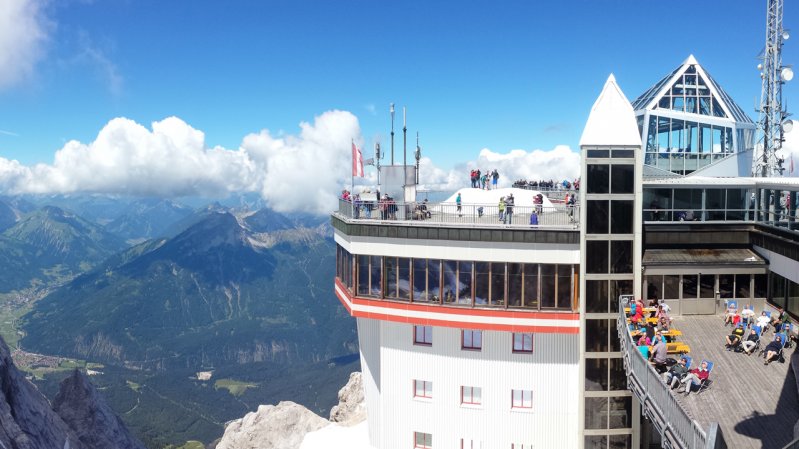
pixel 26 419
pixel 89 417
pixel 351 408
pixel 272 427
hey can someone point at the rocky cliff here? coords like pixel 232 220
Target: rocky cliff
pixel 27 421
pixel 285 426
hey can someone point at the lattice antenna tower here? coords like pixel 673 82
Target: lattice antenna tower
pixel 773 123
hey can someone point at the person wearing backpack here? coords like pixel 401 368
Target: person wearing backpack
pixel 494 179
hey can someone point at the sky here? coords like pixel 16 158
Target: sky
pixel 198 97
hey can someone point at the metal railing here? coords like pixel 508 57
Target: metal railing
pixel 779 217
pixel 658 402
pixel 473 215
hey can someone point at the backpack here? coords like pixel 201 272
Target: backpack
pixel 533 218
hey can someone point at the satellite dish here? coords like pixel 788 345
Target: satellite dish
pixel 786 35
pixel 760 66
pixel 786 73
pixel 787 126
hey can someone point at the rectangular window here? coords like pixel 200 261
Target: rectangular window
pixel 422 440
pixel 522 398
pixel 423 335
pixel 598 217
pixel 596 256
pixel 598 178
pixel 622 178
pixel 471 395
pixel 422 389
pixel 523 343
pixel 471 339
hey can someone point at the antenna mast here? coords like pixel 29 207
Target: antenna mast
pixel 772 122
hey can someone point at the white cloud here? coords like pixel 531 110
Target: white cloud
pixel 301 172
pixel 790 149
pixel 556 164
pixel 23 32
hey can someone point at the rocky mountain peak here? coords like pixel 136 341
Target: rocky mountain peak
pixel 281 426
pixel 351 408
pixel 88 415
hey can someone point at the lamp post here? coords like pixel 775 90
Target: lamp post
pixel 392 133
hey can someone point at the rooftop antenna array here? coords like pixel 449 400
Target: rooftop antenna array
pixel 773 122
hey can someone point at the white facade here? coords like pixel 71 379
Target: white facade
pixel 392 362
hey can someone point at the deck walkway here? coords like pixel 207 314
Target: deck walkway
pixel 755 405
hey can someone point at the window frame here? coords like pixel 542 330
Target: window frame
pixel 523 403
pixel 471 395
pixel 424 439
pixel 522 349
pixel 424 384
pixel 471 346
pixel 427 335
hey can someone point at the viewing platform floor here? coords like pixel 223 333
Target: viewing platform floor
pixel 756 406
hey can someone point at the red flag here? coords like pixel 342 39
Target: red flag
pixel 357 161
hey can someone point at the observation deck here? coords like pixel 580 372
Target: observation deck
pixel 432 264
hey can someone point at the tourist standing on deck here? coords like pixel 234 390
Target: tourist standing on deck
pixel 494 179
pixel 509 203
pixel 458 204
pixel 501 208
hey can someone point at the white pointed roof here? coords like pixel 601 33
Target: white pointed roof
pixel 612 121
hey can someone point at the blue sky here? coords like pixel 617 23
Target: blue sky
pixel 499 75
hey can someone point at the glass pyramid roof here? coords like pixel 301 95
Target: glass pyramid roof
pixel 689 88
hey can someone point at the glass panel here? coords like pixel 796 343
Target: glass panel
pixel 404 283
pixel 714 201
pixel 621 412
pixel 547 286
pixel 620 441
pixel 465 283
pixel 596 296
pixel 778 290
pixel 690 286
pixel 671 287
pixel 598 179
pixel 450 276
pixel 663 134
pixel 618 288
pixel 615 346
pixel 793 298
pixel 564 287
pixel 595 441
pixel 481 282
pixel 498 284
pixel 621 254
pixel 434 280
pixel 761 285
pixel 596 256
pixel 515 271
pixel 376 271
pixel 363 276
pixel 736 204
pixel 725 286
pixel 391 277
pixel 596 417
pixel 621 217
pixel 420 280
pixel 622 178
pixel 654 287
pixel 707 286
pixel 596 374
pixel 531 285
pixel 597 213
pixel 742 286
pixel 596 336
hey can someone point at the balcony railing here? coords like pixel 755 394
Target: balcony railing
pixel 450 214
pixel 780 218
pixel 659 404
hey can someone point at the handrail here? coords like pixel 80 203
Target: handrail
pixel 659 403
pixel 478 215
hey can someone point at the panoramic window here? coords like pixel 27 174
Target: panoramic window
pixel 422 389
pixel 471 395
pixel 523 342
pixel 522 398
pixel 471 339
pixel 423 335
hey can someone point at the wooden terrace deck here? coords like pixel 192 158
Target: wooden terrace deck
pixel 755 405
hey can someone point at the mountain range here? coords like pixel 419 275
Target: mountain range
pixel 244 296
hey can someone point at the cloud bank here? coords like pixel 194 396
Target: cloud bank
pixel 305 171
pixel 23 32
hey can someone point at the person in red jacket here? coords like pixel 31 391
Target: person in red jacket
pixel 695 377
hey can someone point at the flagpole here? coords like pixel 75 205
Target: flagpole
pixel 352 179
